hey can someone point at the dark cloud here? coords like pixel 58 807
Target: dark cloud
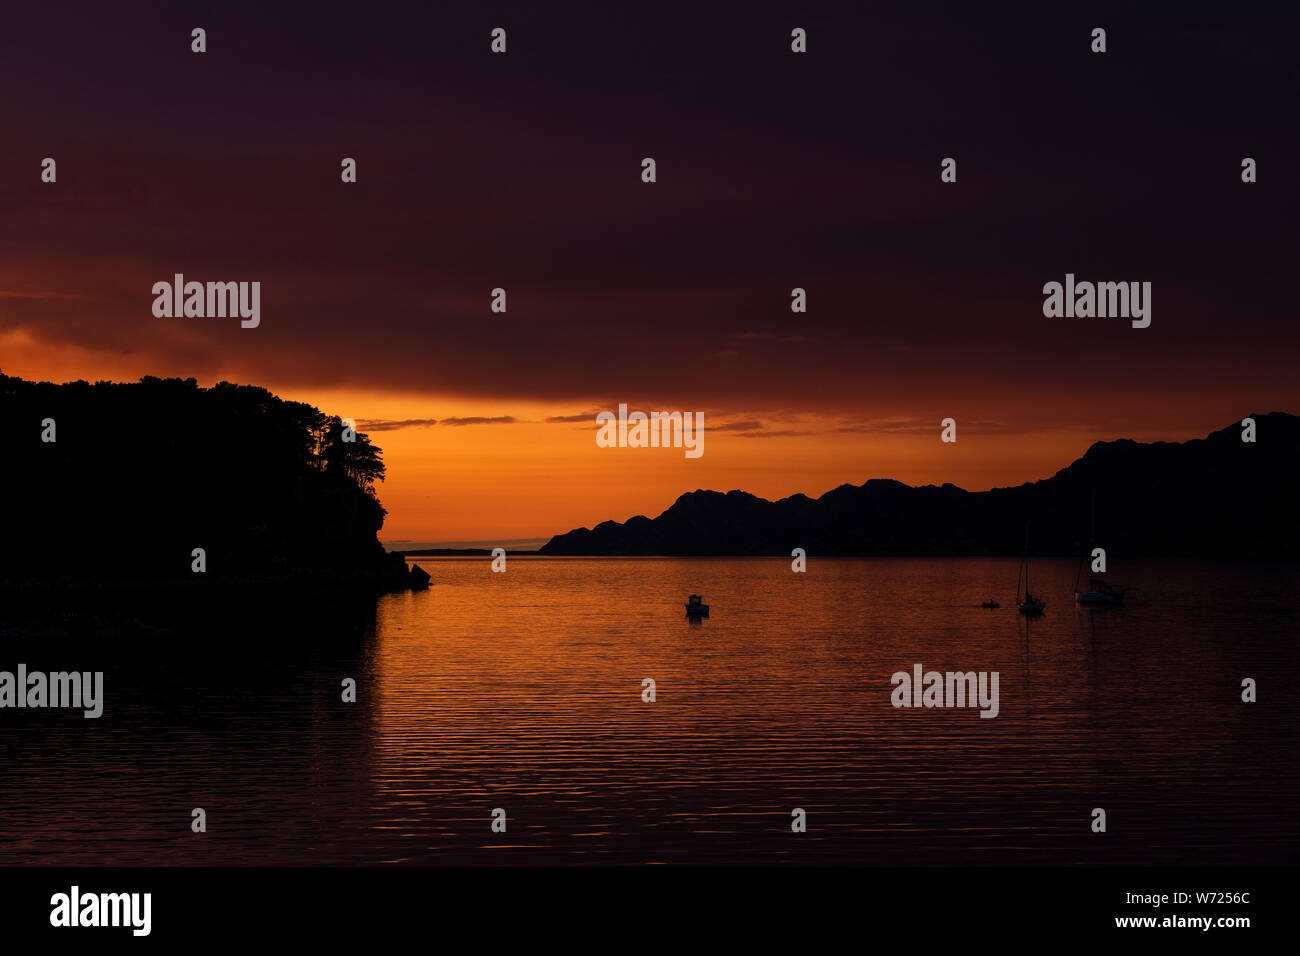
pixel 523 172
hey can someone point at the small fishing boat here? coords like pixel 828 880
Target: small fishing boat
pixel 1100 592
pixel 990 604
pixel 694 607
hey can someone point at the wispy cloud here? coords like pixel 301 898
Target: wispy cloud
pixel 10 294
pixel 751 336
pixel 778 433
pixel 480 420
pixel 912 425
pixel 388 426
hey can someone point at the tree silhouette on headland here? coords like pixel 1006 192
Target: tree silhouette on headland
pixel 142 473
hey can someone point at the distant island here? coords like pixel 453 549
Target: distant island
pixel 1216 496
pixel 163 483
pixel 460 552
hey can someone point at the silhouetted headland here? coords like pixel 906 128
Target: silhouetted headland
pixel 112 486
pixel 1215 496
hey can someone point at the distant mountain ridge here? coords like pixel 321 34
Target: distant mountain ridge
pixel 1216 495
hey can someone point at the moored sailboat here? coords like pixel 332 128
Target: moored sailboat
pixel 1027 602
pixel 1099 592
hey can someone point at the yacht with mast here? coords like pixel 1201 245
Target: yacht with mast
pixel 1026 601
pixel 1099 592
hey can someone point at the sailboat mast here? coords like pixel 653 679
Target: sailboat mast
pixel 1083 556
pixel 1026 562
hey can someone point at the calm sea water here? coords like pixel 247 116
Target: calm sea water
pixel 523 691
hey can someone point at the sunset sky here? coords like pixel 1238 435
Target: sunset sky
pixel 775 170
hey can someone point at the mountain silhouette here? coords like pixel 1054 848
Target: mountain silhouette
pixel 1218 495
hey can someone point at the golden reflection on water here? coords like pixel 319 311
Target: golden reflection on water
pixel 523 691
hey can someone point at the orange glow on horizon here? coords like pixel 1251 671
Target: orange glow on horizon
pixel 480 483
